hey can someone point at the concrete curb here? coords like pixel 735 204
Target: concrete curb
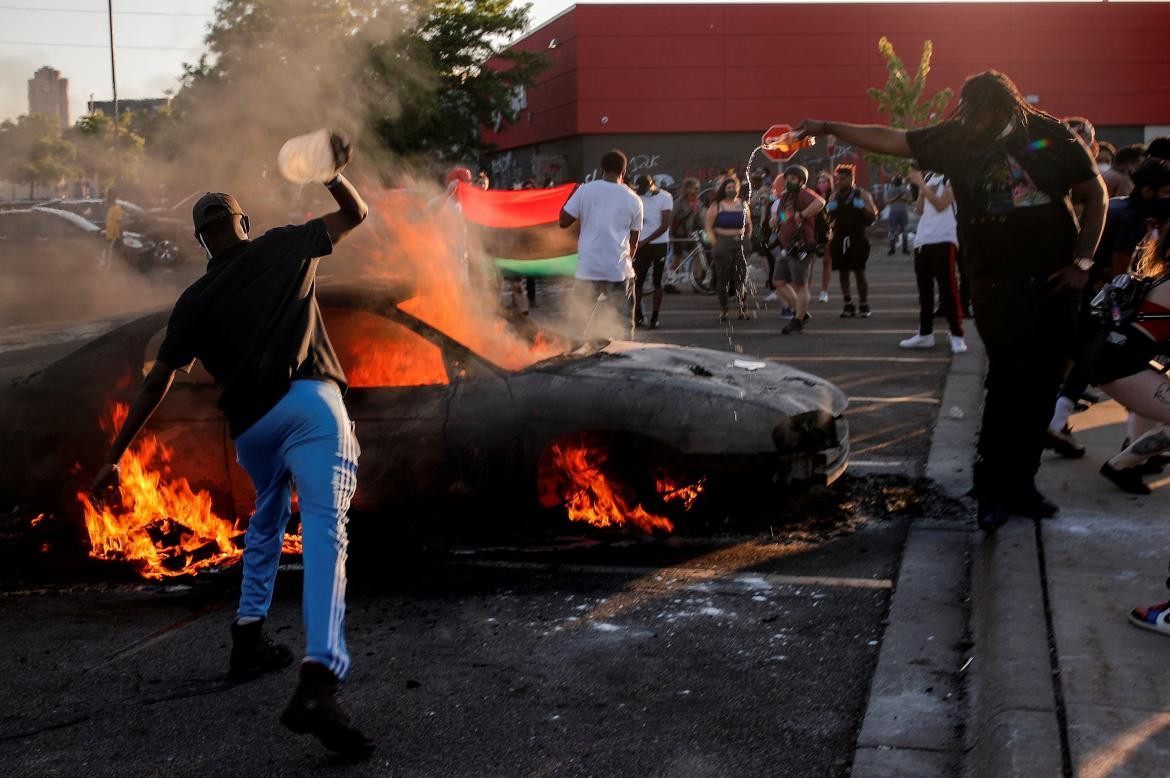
pixel 913 713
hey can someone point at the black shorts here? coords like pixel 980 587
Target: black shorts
pixel 647 256
pixel 1107 360
pixel 849 257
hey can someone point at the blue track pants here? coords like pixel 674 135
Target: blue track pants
pixel 306 438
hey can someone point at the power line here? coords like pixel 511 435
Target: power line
pixel 100 46
pixel 103 13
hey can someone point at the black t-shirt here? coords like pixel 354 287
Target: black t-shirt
pixel 254 323
pixel 1012 195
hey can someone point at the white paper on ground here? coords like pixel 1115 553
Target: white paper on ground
pixel 749 364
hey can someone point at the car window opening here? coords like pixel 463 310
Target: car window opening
pixel 375 351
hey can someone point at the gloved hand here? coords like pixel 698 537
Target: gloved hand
pixel 859 203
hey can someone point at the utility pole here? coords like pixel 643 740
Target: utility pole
pixel 113 81
pixel 113 67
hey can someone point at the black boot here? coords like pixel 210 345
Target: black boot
pixel 1028 501
pixel 992 514
pixel 315 710
pixel 1127 479
pixel 254 653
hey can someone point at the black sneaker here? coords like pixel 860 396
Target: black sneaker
pixel 654 320
pixel 639 324
pixel 1064 443
pixel 992 514
pixel 1030 503
pixel 1127 479
pixel 849 311
pixel 807 316
pixel 670 289
pixel 793 325
pixel 890 253
pixel 863 310
pixel 254 653
pixel 315 710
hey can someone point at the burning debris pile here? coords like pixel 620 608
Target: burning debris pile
pixel 161 525
pixel 573 473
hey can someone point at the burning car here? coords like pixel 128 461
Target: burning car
pixel 449 415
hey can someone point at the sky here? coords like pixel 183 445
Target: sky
pixel 153 38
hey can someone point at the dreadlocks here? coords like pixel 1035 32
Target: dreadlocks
pixel 988 101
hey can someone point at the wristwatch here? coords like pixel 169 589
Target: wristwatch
pixel 1084 264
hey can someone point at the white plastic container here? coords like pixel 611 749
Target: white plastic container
pixel 307 159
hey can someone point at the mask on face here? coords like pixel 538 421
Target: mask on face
pixel 1104 167
pixel 822 186
pixel 792 186
pixel 642 188
pixel 897 180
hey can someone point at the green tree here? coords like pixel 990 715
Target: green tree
pixel 104 155
pixel 35 152
pixel 904 99
pixel 471 78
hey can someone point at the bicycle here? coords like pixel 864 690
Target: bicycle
pixel 694 268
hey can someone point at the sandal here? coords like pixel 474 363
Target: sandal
pixel 1155 618
pixel 724 316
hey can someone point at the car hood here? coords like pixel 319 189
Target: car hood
pixel 706 370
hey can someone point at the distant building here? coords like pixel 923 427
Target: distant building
pixel 48 94
pixel 145 105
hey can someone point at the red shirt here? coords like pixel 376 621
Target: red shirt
pixel 786 214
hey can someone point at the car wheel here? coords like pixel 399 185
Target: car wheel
pixel 165 252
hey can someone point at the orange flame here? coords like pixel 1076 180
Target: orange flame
pixel 672 491
pixel 573 471
pixel 455 289
pixel 37 519
pixel 166 528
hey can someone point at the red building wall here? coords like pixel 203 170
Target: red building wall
pixel 733 68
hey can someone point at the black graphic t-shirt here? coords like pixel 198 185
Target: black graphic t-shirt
pixel 1013 194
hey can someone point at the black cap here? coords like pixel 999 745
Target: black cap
pixel 800 171
pixel 213 200
pixel 644 179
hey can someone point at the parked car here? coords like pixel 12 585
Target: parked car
pixel 55 228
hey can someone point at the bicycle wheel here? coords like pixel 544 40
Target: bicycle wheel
pixel 702 274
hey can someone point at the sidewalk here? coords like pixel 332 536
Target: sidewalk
pixel 1056 681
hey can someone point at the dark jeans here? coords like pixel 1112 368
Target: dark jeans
pixel 1027 333
pixel 1088 328
pixel 899 221
pixel 934 265
pixel 729 269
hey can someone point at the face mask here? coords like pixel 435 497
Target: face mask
pixel 897 180
pixel 792 187
pixel 1104 167
pixel 203 243
pixel 643 189
pixel 822 187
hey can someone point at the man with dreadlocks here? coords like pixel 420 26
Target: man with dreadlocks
pixel 1017 173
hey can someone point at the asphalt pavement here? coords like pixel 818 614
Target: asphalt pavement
pixel 707 653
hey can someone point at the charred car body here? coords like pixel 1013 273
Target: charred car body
pixel 460 429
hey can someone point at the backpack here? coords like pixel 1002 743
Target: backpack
pixel 1116 305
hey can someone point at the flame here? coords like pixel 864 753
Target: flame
pixel 380 352
pixel 37 519
pixel 166 528
pixel 687 493
pixel 572 473
pixel 455 290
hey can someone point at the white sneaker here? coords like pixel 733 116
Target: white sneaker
pixel 823 297
pixel 772 297
pixel 918 341
pixel 958 345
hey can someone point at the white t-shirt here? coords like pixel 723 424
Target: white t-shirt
pixel 935 226
pixel 608 213
pixel 653 204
